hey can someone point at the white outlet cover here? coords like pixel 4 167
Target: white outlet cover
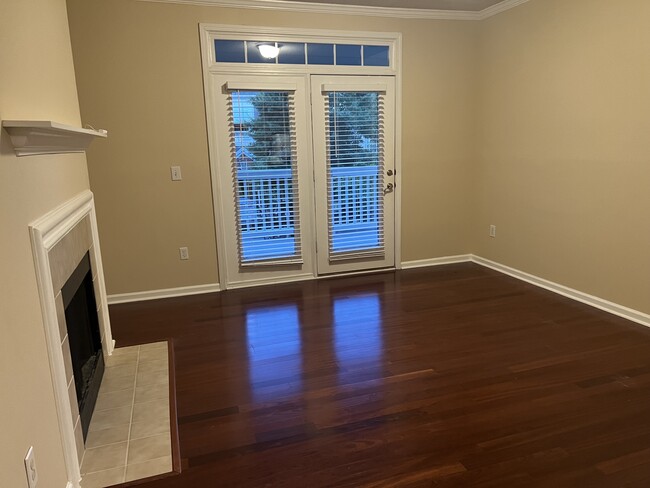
pixel 30 468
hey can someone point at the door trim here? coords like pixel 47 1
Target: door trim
pixel 209 32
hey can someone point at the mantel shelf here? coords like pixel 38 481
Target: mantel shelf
pixel 32 137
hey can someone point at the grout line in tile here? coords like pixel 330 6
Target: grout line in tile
pixel 135 384
pixel 119 389
pixel 101 470
pixel 154 459
pixel 83 457
pixel 103 445
pixel 153 435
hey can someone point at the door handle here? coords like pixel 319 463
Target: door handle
pixel 389 188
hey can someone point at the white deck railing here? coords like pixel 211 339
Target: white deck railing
pixel 266 197
pixel 266 210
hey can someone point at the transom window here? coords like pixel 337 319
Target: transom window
pixel 302 53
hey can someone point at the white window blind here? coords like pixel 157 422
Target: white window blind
pixel 265 179
pixel 355 168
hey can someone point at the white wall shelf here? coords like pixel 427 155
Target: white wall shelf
pixel 32 137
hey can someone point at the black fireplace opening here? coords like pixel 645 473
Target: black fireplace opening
pixel 84 338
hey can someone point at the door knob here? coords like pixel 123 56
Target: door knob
pixel 389 188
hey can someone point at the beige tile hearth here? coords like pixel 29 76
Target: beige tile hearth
pixel 129 435
pixel 147 468
pixel 101 479
pixel 97 438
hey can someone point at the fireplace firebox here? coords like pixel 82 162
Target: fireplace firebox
pixel 84 339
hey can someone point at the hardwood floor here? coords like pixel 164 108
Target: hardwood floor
pixel 440 377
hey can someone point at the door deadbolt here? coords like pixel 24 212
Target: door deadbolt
pixel 389 172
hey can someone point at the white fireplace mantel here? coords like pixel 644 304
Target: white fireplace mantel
pixel 34 137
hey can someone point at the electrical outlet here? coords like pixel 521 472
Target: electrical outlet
pixel 30 468
pixel 185 253
pixel 176 173
pixel 493 231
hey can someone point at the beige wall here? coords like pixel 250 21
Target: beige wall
pixel 534 120
pixel 564 145
pixel 36 82
pixel 139 75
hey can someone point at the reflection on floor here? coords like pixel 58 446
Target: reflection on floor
pixel 129 434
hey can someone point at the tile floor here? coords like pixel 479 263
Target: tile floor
pixel 129 435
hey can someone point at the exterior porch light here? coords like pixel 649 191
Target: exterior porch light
pixel 269 50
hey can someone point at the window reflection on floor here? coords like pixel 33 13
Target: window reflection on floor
pixel 275 355
pixel 357 336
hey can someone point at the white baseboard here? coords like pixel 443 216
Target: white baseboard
pixel 599 303
pixel 140 296
pixel 270 281
pixel 463 258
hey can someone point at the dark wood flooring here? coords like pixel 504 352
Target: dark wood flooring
pixel 439 377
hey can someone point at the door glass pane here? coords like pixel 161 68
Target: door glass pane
pixel 265 176
pixel 355 174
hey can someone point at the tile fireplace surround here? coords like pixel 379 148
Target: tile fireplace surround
pixel 60 239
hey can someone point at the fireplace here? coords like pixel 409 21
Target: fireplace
pixel 84 338
pixel 65 244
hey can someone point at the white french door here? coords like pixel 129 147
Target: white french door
pixel 302 189
pixel 264 177
pixel 354 168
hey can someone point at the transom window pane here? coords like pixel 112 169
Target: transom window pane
pixel 320 54
pixel 254 55
pixel 229 51
pixel 300 53
pixel 376 56
pixel 348 55
pixel 291 53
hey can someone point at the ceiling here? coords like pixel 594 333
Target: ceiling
pixel 458 5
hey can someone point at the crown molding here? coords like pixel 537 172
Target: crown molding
pixel 328 8
pixel 498 8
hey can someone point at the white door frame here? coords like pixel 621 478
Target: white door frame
pixel 210 32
